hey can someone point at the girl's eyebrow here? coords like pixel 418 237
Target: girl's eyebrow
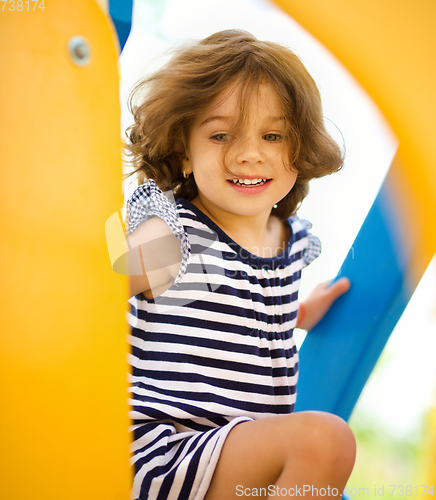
pixel 218 118
pixel 226 118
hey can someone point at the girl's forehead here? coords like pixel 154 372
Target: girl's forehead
pixel 262 99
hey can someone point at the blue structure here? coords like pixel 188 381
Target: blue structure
pixel 121 12
pixel 339 354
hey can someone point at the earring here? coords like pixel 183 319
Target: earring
pixel 185 174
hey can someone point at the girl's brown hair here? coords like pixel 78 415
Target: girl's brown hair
pixel 172 98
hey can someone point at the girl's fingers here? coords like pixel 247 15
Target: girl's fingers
pixel 339 287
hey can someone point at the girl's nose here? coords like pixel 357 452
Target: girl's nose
pixel 250 151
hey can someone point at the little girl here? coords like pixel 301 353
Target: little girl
pixel 233 127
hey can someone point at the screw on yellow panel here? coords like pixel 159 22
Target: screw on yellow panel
pixel 63 422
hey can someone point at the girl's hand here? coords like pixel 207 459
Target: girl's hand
pixel 319 301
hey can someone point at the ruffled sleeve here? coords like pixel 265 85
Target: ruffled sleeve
pixel 148 201
pixel 313 249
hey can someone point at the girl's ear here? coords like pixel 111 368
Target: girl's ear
pixel 186 167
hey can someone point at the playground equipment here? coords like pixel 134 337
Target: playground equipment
pixel 64 426
pixel 62 346
pixel 398 239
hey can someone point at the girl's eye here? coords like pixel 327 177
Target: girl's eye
pixel 272 137
pixel 220 137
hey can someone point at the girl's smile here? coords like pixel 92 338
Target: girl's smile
pixel 250 186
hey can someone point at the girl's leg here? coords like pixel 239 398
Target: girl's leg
pixel 308 454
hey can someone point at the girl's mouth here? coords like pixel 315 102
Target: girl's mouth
pixel 249 182
pixel 250 186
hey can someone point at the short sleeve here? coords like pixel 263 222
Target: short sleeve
pixel 313 249
pixel 148 201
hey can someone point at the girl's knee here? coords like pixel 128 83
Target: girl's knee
pixel 325 440
pixel 337 441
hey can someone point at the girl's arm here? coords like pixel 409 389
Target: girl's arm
pixel 319 301
pixel 154 258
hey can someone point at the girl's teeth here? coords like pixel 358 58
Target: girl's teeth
pixel 248 182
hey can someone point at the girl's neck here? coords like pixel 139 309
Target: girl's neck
pixel 263 235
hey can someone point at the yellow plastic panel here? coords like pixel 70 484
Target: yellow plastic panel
pixel 390 47
pixel 63 418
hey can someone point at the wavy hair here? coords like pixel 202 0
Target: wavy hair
pixel 169 101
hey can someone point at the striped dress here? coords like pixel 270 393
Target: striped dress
pixel 214 350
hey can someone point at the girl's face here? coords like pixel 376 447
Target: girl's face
pixel 257 156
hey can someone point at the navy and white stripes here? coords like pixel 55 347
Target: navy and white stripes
pixel 213 350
